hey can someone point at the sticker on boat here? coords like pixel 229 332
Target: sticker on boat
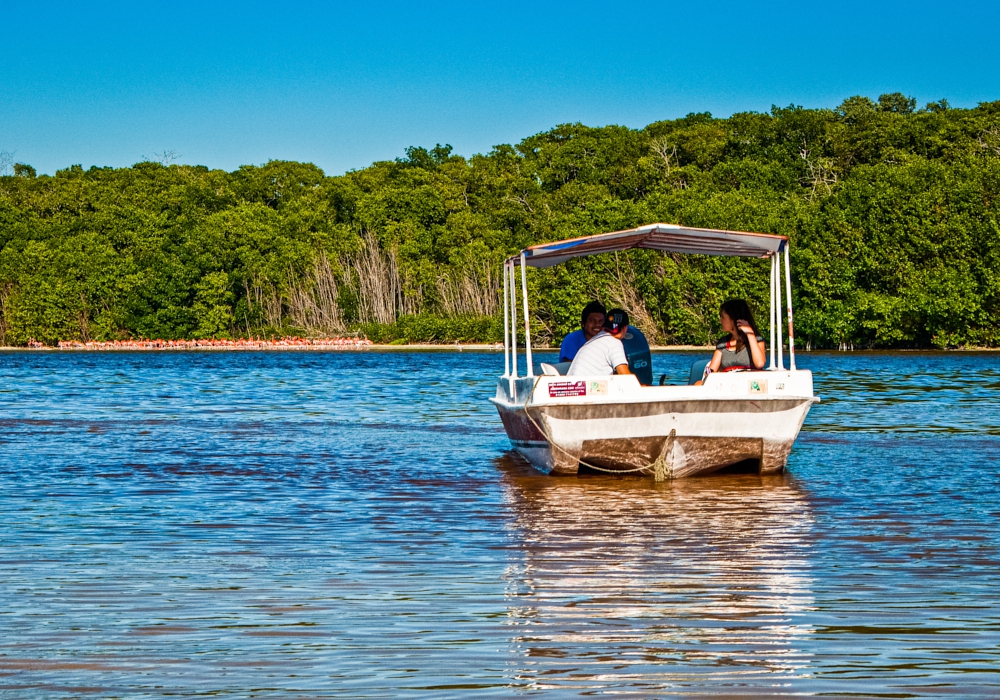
pixel 758 386
pixel 559 389
pixel 598 389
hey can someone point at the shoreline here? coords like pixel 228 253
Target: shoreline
pixel 432 347
pixel 410 347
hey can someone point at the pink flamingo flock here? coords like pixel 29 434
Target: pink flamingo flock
pixel 229 344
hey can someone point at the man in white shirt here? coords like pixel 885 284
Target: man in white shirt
pixel 604 353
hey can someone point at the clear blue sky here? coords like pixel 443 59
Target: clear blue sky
pixel 343 85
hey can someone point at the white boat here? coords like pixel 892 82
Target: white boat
pixel 612 423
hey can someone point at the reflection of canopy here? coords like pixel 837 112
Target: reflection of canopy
pixel 669 238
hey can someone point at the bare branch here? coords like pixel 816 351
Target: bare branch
pixel 521 199
pixel 625 296
pixel 474 291
pixel 379 287
pixel 820 172
pixel 6 162
pixel 989 140
pixel 667 151
pixel 165 158
pixel 313 302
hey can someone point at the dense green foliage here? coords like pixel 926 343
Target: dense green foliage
pixel 892 213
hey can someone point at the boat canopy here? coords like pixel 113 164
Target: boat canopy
pixel 669 238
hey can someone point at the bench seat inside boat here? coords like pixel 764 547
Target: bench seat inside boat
pixel 698 370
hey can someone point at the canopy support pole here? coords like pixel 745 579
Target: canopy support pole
pixel 773 263
pixel 513 324
pixel 788 292
pixel 506 323
pixel 527 320
pixel 778 343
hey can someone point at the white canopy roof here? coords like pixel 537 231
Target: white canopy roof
pixel 669 238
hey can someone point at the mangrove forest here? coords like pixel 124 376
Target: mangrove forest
pixel 893 213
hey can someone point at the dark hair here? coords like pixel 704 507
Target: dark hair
pixel 594 307
pixel 738 309
pixel 616 320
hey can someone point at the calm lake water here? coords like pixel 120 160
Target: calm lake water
pixel 353 525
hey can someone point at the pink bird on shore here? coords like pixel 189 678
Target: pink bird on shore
pixel 236 343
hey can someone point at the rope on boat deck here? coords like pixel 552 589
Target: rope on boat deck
pixel 659 465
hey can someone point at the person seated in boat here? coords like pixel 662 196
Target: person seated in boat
pixel 591 323
pixel 742 346
pixel 604 353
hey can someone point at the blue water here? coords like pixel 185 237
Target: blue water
pixel 311 524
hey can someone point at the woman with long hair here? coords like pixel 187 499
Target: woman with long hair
pixel 742 346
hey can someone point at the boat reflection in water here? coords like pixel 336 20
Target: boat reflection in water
pixel 688 586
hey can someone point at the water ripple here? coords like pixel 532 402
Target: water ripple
pixel 353 525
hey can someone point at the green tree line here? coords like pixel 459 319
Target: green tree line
pixel 892 212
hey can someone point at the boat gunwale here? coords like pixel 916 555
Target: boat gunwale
pixel 612 401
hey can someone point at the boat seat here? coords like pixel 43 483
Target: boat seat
pixel 698 370
pixel 555 370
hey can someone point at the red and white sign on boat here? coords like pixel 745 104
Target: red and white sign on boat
pixel 612 423
pixel 560 389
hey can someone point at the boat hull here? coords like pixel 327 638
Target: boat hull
pixel 682 436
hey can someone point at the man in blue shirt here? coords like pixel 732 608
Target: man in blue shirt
pixel 591 323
